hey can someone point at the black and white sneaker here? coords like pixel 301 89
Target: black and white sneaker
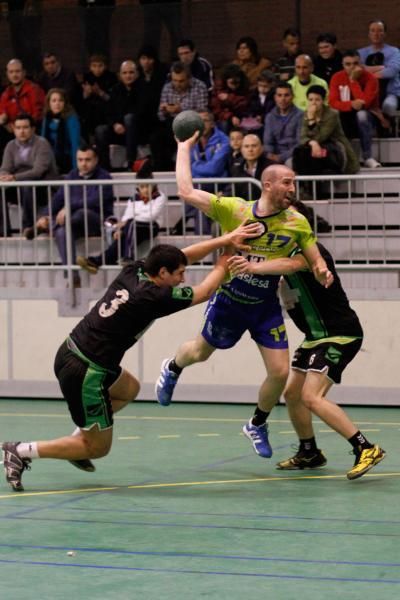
pixel 14 465
pixel 84 465
pixel 303 460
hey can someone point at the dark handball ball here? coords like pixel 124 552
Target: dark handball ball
pixel 186 123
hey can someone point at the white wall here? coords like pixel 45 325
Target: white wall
pixel 36 331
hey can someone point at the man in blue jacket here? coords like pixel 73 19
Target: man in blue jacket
pixel 90 204
pixel 209 158
pixel 282 126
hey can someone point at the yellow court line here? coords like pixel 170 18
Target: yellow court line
pixel 208 434
pixel 188 484
pixel 130 437
pixel 166 437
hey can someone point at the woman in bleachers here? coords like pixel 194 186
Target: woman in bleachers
pixel 62 129
pixel 230 98
pixel 249 60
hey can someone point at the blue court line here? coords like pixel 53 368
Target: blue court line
pixel 194 526
pixel 166 554
pixel 227 515
pixel 198 572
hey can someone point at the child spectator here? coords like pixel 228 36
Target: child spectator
pixel 235 156
pixel 61 128
pixel 261 101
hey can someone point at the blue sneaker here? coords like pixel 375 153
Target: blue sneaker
pixel 259 438
pixel 166 383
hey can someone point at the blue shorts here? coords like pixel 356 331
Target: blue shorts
pixel 227 320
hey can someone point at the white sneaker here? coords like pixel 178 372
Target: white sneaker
pixel 371 163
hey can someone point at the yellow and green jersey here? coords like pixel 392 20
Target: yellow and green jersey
pixel 282 233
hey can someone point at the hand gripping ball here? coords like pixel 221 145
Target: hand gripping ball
pixel 186 123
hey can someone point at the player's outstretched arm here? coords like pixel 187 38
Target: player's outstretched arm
pixel 198 198
pixel 204 290
pixel 235 238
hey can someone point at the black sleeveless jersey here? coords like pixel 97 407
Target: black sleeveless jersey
pixel 317 311
pixel 122 315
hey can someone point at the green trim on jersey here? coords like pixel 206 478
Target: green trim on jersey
pixel 310 309
pixel 93 401
pixel 341 340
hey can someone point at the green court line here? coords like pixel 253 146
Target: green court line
pixel 187 484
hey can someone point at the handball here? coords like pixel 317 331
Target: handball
pixel 186 123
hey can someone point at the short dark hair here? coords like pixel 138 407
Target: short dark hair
pixel 317 89
pixel 49 54
pixel 350 52
pixel 164 255
pixel 329 38
pixel 25 117
pixel 87 147
pixel 99 58
pixel 284 84
pixel 178 67
pixel 291 31
pixel 187 43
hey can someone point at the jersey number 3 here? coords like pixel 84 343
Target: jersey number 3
pixel 122 296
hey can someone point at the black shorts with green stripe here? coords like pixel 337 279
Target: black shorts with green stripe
pixel 85 386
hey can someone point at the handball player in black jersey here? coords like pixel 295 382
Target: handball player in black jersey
pixel 333 337
pixel 87 364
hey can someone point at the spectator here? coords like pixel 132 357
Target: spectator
pixel 55 75
pixel 249 59
pixel 209 158
pixel 25 21
pixel 324 148
pixel 230 99
pixel 183 92
pixel 253 164
pixel 96 20
pixel 155 14
pixel 261 101
pixel 27 157
pixel 235 156
pixel 304 79
pixel 282 126
pixel 89 206
pixel 200 67
pixel 285 64
pixel 96 91
pixel 383 62
pixel 152 76
pixel 140 222
pixel 354 93
pixel 62 129
pixel 125 108
pixel 328 60
pixel 20 96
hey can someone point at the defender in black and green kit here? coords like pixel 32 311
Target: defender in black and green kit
pixel 333 336
pixel 87 364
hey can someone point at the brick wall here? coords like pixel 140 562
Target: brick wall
pixel 216 25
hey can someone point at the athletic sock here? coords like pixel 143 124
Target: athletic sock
pixel 28 450
pixel 308 445
pixel 174 367
pixel 359 442
pixel 259 417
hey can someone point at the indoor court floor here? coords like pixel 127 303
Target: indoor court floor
pixel 182 508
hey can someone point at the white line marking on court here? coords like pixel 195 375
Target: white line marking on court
pixel 166 437
pixel 130 437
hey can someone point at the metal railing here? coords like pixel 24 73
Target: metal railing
pixel 362 212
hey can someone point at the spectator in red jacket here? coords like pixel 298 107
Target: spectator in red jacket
pixel 230 98
pixel 20 96
pixel 355 94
